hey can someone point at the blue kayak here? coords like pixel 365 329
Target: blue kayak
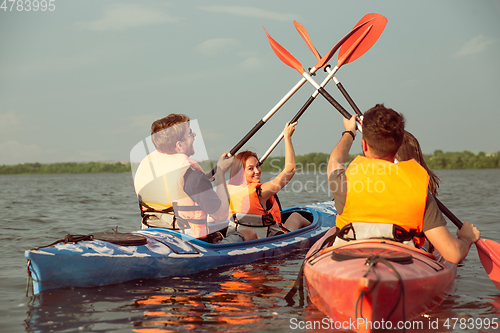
pixel 92 263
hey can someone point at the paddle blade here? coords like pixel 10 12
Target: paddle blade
pixel 354 46
pixel 489 253
pixel 284 55
pixel 305 36
pixel 378 25
pixel 323 61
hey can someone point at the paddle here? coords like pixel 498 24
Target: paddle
pixel 346 55
pixel 378 27
pixel 321 63
pixel 488 250
pixel 291 61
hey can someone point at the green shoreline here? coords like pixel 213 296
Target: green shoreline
pixel 439 160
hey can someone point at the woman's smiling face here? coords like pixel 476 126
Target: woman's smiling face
pixel 252 170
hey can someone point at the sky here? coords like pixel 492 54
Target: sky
pixel 85 81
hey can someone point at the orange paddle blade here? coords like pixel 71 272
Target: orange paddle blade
pixel 323 61
pixel 284 55
pixel 489 253
pixel 305 36
pixel 354 46
pixel 378 23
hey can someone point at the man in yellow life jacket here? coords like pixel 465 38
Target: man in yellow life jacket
pixel 169 182
pixel 377 198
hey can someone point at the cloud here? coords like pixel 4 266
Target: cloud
pixel 251 12
pixel 475 45
pixel 119 17
pixel 217 46
pixel 9 123
pixel 252 63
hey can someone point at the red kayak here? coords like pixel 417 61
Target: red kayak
pixel 373 284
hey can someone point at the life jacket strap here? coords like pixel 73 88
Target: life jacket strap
pixel 401 235
pixel 360 230
pixel 148 211
pixel 253 220
pixel 145 208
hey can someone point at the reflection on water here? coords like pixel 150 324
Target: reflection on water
pixel 235 299
pixel 246 298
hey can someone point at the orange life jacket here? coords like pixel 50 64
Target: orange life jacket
pixel 244 199
pixel 383 192
pixel 159 182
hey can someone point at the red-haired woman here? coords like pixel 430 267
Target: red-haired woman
pixel 253 204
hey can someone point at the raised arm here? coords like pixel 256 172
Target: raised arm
pixel 273 186
pixel 223 165
pixel 339 154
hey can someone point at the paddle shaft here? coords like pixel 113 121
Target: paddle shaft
pixel 261 122
pixel 347 96
pixel 299 114
pixel 320 64
pixel 344 58
pixel 327 96
pixel 294 119
pixel 449 214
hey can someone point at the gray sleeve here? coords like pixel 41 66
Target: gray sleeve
pixel 198 187
pixel 433 217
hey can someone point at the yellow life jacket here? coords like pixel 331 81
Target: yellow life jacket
pixel 387 193
pixel 159 183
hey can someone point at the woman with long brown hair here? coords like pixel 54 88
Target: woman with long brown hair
pixel 253 204
pixel 411 149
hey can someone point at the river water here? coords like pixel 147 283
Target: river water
pixel 39 209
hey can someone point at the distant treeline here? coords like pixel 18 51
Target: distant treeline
pixel 462 160
pixel 311 162
pixel 37 168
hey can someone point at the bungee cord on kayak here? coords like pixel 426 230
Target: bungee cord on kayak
pixel 372 261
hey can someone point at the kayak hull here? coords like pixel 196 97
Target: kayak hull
pixel 167 253
pixel 406 283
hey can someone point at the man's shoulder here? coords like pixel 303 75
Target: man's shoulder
pixel 432 217
pixel 192 174
pixel 194 179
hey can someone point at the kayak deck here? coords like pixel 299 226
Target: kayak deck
pixel 375 281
